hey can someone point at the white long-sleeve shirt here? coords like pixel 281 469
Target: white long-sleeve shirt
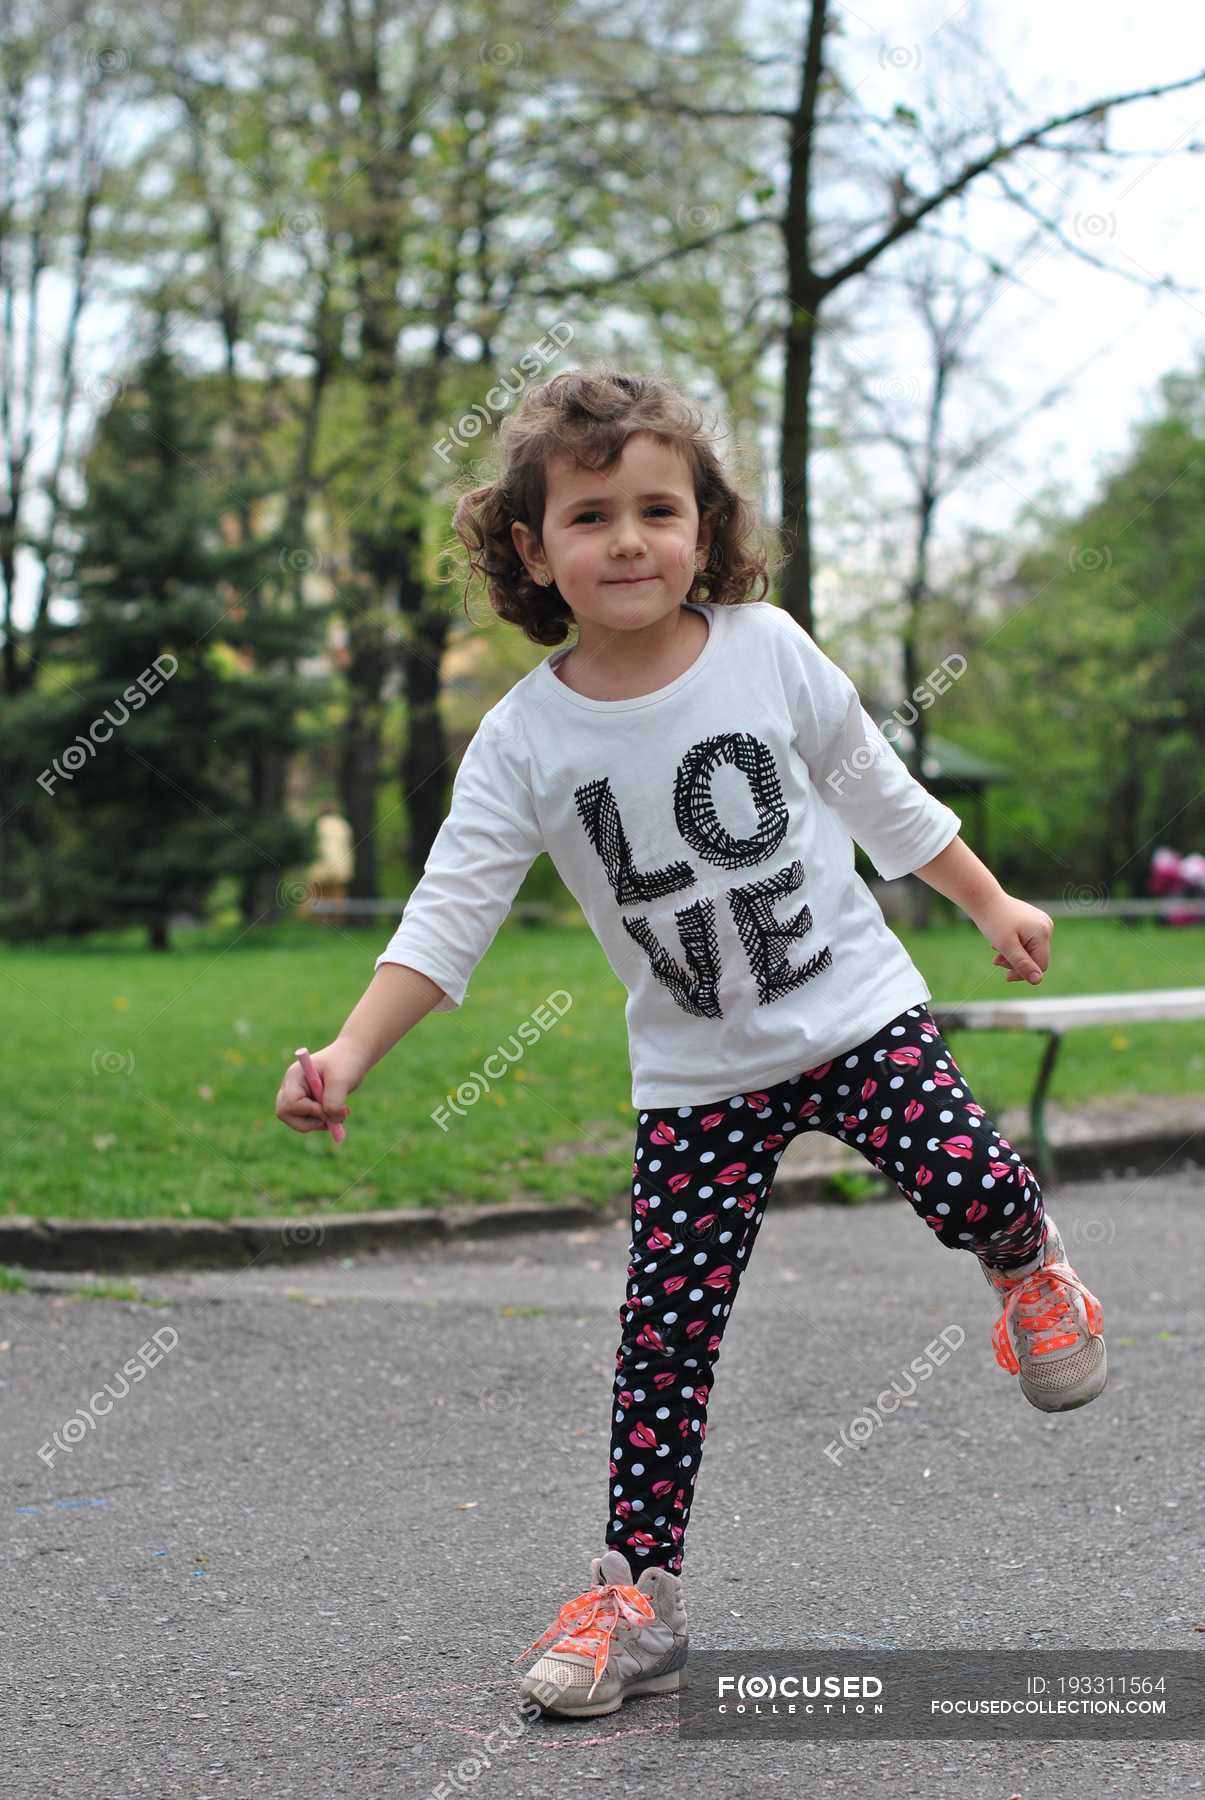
pixel 707 832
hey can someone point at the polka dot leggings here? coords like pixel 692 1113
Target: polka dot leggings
pixel 700 1179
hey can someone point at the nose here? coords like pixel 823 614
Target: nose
pixel 627 539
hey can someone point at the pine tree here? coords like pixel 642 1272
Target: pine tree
pixel 179 680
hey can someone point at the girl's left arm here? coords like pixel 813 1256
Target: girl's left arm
pixel 1019 933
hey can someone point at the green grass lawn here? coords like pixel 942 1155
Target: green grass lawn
pixel 144 1084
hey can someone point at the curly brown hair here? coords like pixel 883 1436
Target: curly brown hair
pixel 589 414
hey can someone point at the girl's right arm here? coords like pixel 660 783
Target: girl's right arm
pixel 394 1001
pixel 481 853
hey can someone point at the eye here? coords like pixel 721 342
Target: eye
pixel 595 515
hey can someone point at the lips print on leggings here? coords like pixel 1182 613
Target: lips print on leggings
pixel 720 1279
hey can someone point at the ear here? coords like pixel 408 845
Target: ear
pixel 528 547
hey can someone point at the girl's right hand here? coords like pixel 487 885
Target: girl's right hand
pixel 342 1070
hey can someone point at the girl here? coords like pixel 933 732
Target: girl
pixel 699 770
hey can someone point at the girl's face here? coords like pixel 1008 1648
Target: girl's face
pixel 623 548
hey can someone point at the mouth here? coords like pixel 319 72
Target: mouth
pixel 631 580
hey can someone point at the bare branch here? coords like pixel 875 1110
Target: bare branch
pixel 661 102
pixel 972 170
pixel 1049 225
pixel 599 284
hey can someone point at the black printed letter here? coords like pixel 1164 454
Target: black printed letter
pixel 697 991
pixel 695 811
pixel 763 936
pixel 604 827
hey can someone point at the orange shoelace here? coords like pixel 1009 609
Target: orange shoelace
pixel 1042 1304
pixel 589 1622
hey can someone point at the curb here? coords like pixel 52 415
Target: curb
pixel 127 1245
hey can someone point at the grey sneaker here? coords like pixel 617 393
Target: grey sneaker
pixel 1058 1327
pixel 618 1639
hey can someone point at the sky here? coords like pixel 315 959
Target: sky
pixel 1064 319
pixel 1061 319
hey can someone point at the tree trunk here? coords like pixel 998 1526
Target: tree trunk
pixel 918 588
pixel 360 747
pixel 424 745
pixel 260 899
pixel 795 461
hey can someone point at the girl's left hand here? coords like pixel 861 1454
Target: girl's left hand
pixel 1020 935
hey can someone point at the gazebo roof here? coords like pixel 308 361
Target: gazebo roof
pixel 945 761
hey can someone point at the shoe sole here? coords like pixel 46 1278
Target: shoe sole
pixel 1045 1401
pixel 652 1684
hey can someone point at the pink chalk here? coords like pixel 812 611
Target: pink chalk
pixel 314 1082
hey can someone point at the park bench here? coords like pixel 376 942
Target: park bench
pixel 1054 1017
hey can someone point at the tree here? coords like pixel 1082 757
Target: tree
pixel 403 196
pixel 1094 665
pixel 827 137
pixel 143 748
pixel 62 104
pixel 949 301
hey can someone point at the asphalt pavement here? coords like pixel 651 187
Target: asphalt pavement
pixel 298 1556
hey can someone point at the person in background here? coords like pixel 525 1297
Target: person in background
pixel 329 873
